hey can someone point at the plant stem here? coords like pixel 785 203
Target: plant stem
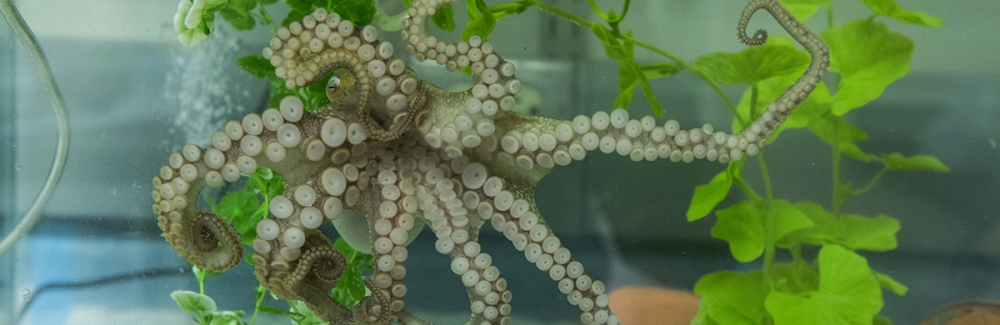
pixel 837 200
pixel 680 62
pixel 268 19
pixel 871 184
pixel 256 307
pixel 745 187
pixel 829 16
pixel 684 65
pixel 200 275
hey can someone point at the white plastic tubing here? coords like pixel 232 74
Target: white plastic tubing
pixel 34 51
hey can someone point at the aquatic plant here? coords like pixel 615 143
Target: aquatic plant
pixel 838 287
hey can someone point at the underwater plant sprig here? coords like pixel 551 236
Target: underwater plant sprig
pixel 772 223
pixel 838 286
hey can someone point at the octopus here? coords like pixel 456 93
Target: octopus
pixel 400 153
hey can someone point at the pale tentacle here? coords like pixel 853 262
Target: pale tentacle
pixel 511 210
pixel 492 94
pixel 384 97
pixel 444 204
pixel 389 228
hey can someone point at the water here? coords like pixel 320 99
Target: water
pixel 136 95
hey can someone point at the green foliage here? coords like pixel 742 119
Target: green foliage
pixel 312 97
pixel 707 196
pixel 481 20
pixel 744 226
pixel 359 12
pixel 242 209
pixel 204 309
pixel 351 287
pixel 835 287
pixel 848 293
pixel 803 9
pixel 444 18
pixel 891 9
pixel 731 298
pixel 868 57
pixel 778 57
pixel 838 287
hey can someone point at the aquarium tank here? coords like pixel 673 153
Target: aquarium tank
pixel 499 162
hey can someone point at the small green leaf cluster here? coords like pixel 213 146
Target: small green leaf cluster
pixel 204 309
pixel 351 287
pixel 360 12
pixel 243 209
pixel 837 286
pixel 312 97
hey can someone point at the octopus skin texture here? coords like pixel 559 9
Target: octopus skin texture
pixel 399 153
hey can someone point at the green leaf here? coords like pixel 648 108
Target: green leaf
pixel 869 57
pixel 803 9
pixel 408 3
pixel 305 316
pixel 238 208
pixel 294 15
pixel 896 161
pixel 826 227
pixel 227 317
pixel 875 234
pixel 880 320
pixel 272 311
pixel 300 5
pixel 257 66
pixel 444 18
pixel 848 293
pixel 628 79
pixel 351 288
pixel 360 12
pixel 777 57
pixel 833 129
pixel 193 302
pixel 732 298
pixel 612 48
pixel 849 230
pixel 237 14
pixel 888 283
pixel 707 196
pixel 891 9
pixel 743 226
pixel 266 182
pixel 481 20
pixel 653 71
pixel 796 277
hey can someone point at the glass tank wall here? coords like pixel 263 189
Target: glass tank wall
pixel 136 95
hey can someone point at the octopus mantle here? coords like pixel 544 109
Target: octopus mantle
pixel 403 153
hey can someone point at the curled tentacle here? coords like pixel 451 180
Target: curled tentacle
pixel 205 240
pixel 317 272
pixel 374 309
pixel 369 85
pixel 202 238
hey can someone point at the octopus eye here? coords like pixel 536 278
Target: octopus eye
pixel 340 86
pixel 332 85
